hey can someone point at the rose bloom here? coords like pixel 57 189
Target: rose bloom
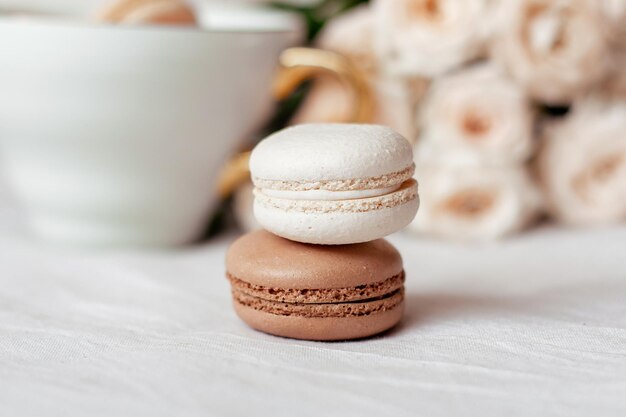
pixel 613 13
pixel 474 203
pixel 478 114
pixel 583 165
pixel 350 34
pixel 617 81
pixel 330 101
pixel 429 37
pixel 556 49
pixel 614 85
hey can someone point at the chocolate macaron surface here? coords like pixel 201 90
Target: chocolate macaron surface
pixel 314 292
pixel 334 183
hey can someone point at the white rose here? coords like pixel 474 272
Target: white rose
pixel 478 114
pixel 614 85
pixel 556 49
pixel 613 13
pixel 474 203
pixel 396 101
pixel 330 101
pixel 583 165
pixel 351 34
pixel 429 37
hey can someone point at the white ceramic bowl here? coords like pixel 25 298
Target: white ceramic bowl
pixel 115 135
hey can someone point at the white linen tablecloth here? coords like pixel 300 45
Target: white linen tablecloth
pixel 533 326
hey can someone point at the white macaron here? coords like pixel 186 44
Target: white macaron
pixel 334 184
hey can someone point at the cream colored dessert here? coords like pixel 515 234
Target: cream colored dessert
pixel 315 292
pixel 334 183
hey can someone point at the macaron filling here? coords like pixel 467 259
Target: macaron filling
pixel 325 295
pixel 326 195
pixel 328 302
pixel 322 310
pixel 405 193
pixel 379 183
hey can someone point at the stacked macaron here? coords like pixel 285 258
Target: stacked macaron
pixel 326 194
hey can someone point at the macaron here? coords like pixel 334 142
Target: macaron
pixel 334 183
pixel 315 292
pixel 164 12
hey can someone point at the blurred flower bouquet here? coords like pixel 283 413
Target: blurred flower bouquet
pixel 517 108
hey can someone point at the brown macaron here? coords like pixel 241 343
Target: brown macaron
pixel 315 292
pixel 156 12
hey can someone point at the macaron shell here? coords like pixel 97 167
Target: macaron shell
pixel 334 223
pixel 318 152
pixel 320 328
pixel 264 259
